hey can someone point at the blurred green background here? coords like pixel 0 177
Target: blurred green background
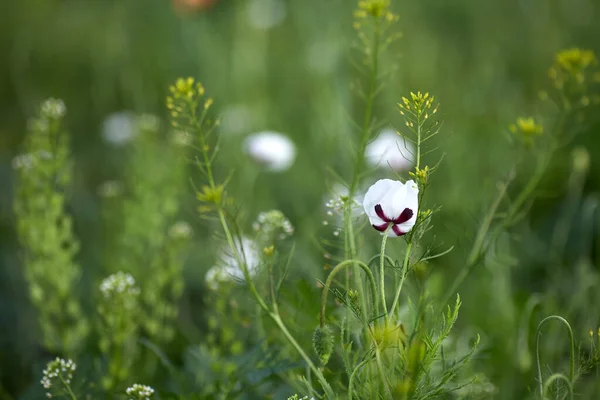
pixel 286 66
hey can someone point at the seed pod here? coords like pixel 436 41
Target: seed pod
pixel 323 341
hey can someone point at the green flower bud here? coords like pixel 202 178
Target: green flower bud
pixel 323 341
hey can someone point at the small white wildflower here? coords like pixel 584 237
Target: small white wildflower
pixel 117 284
pixel 110 189
pixel 23 161
pixel 180 230
pixel 119 128
pixel 266 14
pixel 390 150
pixel 57 371
pixel 272 225
pixel 139 392
pixel 53 109
pixel 274 150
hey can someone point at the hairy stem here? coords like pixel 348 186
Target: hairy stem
pixel 351 381
pixel 382 268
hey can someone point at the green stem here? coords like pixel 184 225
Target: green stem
pixel 68 387
pixel 537 350
pixel 351 382
pixel 334 271
pixel 382 268
pixel 382 374
pixel 403 272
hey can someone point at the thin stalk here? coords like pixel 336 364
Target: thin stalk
pixel 366 130
pixel 382 268
pixel 68 387
pixel 403 272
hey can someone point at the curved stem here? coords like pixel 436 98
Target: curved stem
pixel 537 350
pixel 351 382
pixel 334 271
pixel 382 268
pixel 403 272
pixel 557 377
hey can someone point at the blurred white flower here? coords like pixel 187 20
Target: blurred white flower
pixel 110 189
pixel 390 150
pixel 236 119
pixel 274 150
pixel 139 391
pixel 119 284
pixel 392 202
pixel 53 108
pixel 23 161
pixel 266 14
pixel 180 230
pixel 228 269
pixel 119 128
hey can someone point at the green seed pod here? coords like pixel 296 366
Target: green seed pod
pixel 323 341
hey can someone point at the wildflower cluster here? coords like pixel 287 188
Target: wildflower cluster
pixel 44 230
pixel 57 376
pixel 148 241
pixel 139 392
pixel 575 75
pixel 372 22
pixel 186 96
pixel 296 397
pixel 271 226
pixel 119 284
pixel 119 314
pixel 526 129
pixel 418 111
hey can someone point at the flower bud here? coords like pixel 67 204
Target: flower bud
pixel 323 341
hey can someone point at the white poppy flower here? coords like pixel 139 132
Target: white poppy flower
pixel 119 128
pixel 274 150
pixel 392 202
pixel 390 149
pixel 228 268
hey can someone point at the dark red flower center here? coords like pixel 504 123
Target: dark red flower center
pixel 404 216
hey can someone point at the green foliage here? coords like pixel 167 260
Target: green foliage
pixel 45 231
pixel 505 210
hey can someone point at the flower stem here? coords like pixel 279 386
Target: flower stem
pixel 403 272
pixel 68 387
pixel 382 268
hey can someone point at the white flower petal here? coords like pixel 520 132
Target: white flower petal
pixel 272 149
pixel 390 150
pixel 393 197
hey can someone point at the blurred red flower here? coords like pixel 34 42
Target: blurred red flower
pixel 189 6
